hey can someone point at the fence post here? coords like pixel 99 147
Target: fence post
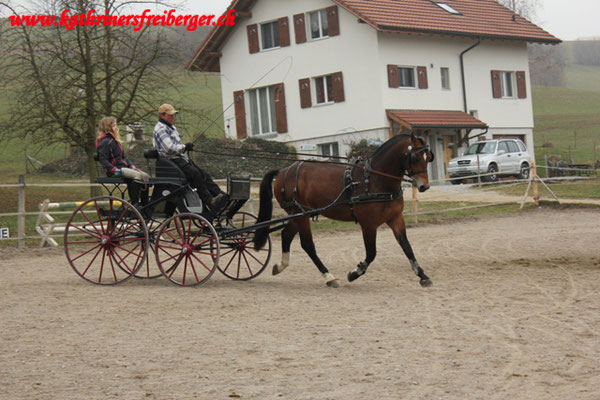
pixel 478 173
pixel 536 197
pixel 414 205
pixel 21 211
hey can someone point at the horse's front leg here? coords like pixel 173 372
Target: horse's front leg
pixel 399 228
pixel 370 239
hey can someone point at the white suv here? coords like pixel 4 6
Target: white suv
pixel 496 157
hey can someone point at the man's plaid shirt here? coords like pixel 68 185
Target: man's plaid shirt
pixel 167 141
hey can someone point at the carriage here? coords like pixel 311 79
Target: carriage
pixel 108 240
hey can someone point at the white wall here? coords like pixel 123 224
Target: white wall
pixel 353 52
pixel 437 52
pixel 362 54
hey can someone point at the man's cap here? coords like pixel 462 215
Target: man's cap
pixel 167 109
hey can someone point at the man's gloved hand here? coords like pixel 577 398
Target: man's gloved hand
pixel 189 146
pixel 118 172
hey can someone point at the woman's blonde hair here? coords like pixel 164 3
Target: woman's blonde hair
pixel 105 126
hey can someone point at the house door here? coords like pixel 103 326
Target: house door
pixel 448 152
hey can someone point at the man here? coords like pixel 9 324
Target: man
pixel 167 141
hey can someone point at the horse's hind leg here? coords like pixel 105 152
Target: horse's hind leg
pixel 287 236
pixel 370 239
pixel 399 228
pixel 306 240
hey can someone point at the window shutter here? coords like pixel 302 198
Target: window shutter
pixel 240 114
pixel 300 28
pixel 393 77
pixel 338 87
pixel 333 21
pixel 496 89
pixel 521 85
pixel 284 32
pixel 305 99
pixel 422 77
pixel 280 112
pixel 253 46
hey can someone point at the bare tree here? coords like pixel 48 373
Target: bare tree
pixel 547 64
pixel 64 80
pixel 525 8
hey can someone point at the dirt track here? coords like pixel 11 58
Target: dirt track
pixel 510 316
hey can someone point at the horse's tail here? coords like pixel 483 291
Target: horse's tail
pixel 265 211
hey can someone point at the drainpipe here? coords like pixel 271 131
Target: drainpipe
pixel 462 73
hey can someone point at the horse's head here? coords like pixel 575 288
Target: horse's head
pixel 415 160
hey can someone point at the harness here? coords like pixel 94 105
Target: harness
pixel 350 185
pixel 349 189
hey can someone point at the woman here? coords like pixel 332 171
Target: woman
pixel 112 157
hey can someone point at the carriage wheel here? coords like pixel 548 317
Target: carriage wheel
pixel 106 240
pixel 239 260
pixel 187 249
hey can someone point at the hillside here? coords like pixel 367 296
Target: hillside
pixel 569 119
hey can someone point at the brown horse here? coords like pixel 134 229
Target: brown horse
pixel 368 193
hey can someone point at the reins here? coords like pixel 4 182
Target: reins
pixel 401 179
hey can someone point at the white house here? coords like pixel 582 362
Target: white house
pixel 320 74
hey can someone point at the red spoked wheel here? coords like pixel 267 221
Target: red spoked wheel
pixel 106 240
pixel 239 260
pixel 187 249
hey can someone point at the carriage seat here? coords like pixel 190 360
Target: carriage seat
pixel 166 171
pixel 109 180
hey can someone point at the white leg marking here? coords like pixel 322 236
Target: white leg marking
pixel 285 262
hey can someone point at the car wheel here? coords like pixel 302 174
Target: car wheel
pixel 455 181
pixel 524 171
pixel 493 173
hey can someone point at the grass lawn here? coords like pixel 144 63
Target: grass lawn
pixel 569 119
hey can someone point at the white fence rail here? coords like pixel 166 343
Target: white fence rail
pixel 46 225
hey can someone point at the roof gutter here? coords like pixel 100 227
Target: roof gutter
pixel 462 73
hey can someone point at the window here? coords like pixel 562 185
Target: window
pixel 445 75
pixel 447 7
pixel 262 110
pixel 324 89
pixel 329 149
pixel 503 146
pixel 269 33
pixel 406 76
pixel 318 24
pixel 512 147
pixel 507 83
pixel 521 146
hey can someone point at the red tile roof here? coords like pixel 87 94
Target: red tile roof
pixel 478 18
pixel 414 119
pixel 483 18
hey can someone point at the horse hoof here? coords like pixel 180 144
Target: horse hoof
pixel 334 283
pixel 352 276
pixel 275 269
pixel 426 282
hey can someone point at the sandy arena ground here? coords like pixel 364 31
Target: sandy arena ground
pixel 514 314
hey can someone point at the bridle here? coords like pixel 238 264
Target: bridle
pixel 412 157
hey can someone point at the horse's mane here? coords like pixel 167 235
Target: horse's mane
pixel 390 143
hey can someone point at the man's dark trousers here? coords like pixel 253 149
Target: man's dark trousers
pixel 198 179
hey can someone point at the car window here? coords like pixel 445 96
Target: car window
pixel 522 146
pixel 482 148
pixel 503 146
pixel 512 147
